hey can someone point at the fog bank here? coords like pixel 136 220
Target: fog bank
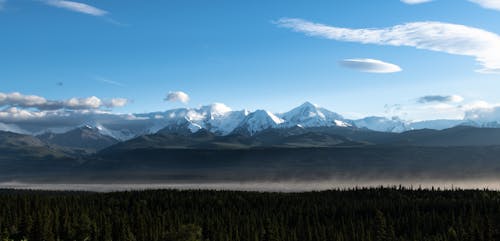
pixel 262 186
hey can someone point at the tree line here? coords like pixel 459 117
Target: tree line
pixel 364 214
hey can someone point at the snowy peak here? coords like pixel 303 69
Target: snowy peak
pixel 216 118
pixel 258 121
pixel 311 115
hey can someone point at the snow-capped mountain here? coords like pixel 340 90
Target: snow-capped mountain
pixel 217 118
pixel 221 120
pixel 310 115
pixel 382 124
pixel 258 121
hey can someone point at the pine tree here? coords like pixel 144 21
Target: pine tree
pixel 380 227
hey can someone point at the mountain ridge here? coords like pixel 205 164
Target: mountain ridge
pixel 221 120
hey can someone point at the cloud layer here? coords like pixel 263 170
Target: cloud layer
pixel 76 7
pixel 175 96
pixel 440 99
pixel 18 100
pixel 449 38
pixel 370 65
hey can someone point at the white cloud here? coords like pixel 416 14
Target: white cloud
pixel 76 7
pixel 439 106
pixel 117 102
pixel 415 1
pixel 370 65
pixel 17 113
pixel 479 104
pixel 440 98
pixel 177 96
pixel 18 100
pixel 455 39
pixel 84 103
pixel 482 112
pixel 490 4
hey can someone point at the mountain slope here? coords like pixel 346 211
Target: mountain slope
pixel 22 155
pixel 12 128
pixel 84 137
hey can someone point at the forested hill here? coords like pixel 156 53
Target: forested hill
pixel 363 214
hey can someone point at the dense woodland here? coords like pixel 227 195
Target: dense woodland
pixel 382 214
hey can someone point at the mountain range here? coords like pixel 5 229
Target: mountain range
pixel 221 120
pixel 215 143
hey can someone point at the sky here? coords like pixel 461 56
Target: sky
pixel 414 59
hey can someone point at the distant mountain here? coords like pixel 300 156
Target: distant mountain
pixel 435 124
pixel 397 125
pixel 85 137
pixel 382 124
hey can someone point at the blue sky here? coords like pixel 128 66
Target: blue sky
pixel 238 53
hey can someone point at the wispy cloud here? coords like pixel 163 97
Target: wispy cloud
pixel 440 99
pixel 415 1
pixel 76 7
pixel 370 65
pixel 108 81
pixel 455 39
pixel 177 96
pixel 490 4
